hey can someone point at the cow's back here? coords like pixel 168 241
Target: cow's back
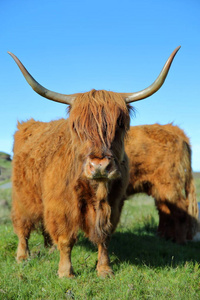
pixel 158 155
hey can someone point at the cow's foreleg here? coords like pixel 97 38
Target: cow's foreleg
pixel 103 265
pixel 22 249
pixel 65 266
pixel 22 229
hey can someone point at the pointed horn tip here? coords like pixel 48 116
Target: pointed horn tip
pixel 177 48
pixel 11 54
pixel 173 54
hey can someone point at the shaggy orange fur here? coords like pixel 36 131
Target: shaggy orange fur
pixel 160 165
pixel 50 185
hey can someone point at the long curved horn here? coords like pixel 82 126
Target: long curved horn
pixel 66 99
pixel 154 87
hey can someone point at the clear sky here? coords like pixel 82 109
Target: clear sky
pixel 74 46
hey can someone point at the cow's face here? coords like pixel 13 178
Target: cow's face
pixel 98 123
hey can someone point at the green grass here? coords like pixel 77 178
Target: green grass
pixel 5 206
pixel 197 182
pixel 5 168
pixel 145 266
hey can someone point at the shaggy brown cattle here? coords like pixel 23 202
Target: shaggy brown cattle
pixel 72 174
pixel 160 166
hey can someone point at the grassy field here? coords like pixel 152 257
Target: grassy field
pixel 145 266
pixel 197 181
pixel 5 168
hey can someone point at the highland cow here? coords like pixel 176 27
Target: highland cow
pixel 72 174
pixel 160 166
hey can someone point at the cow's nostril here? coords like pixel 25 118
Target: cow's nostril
pixel 108 167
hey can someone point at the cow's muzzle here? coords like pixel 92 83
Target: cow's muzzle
pixel 101 168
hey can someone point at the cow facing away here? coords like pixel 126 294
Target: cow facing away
pixel 160 166
pixel 72 174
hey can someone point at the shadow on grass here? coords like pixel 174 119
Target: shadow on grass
pixel 147 249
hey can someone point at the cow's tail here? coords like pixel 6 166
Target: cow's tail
pixel 193 211
pixel 103 214
pixel 190 192
pixel 191 195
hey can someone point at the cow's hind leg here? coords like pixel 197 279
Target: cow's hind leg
pixel 65 247
pixel 47 239
pixel 103 265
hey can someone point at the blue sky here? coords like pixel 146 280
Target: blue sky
pixel 74 46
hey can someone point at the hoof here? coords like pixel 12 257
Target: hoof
pixel 20 258
pixel 105 271
pixel 62 274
